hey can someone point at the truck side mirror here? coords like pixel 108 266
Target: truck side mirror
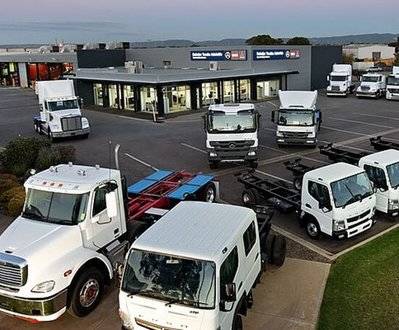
pixel 328 78
pixel 273 116
pixel 112 204
pixel 80 102
pixel 230 292
pixel 204 117
pixel 361 78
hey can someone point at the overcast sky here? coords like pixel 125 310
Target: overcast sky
pixel 43 21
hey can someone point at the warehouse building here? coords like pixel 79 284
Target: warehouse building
pixel 371 53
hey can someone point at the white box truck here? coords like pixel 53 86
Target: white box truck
pixel 372 85
pixel 298 118
pixel 60 114
pixel 337 200
pixel 393 84
pixel 196 268
pixel 232 134
pixel 76 224
pixel 340 80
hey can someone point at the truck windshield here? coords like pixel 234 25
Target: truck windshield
pixel 59 208
pixel 295 118
pixel 62 105
pixel 370 79
pixel 393 81
pixel 175 280
pixel 393 174
pixel 350 190
pixel 243 121
pixel 338 78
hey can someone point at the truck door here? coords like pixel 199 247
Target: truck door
pixel 319 195
pixel 103 229
pixel 378 177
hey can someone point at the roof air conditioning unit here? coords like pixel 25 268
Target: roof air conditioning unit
pixel 213 66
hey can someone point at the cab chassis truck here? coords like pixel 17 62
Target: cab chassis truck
pixel 379 143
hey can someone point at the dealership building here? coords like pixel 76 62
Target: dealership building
pixel 168 80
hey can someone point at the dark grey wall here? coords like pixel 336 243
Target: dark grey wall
pixel 84 89
pixel 323 58
pixel 101 58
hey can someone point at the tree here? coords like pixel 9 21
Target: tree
pixel 264 39
pixel 348 58
pixel 298 41
pixel 396 60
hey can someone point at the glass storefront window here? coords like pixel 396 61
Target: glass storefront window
pixel 128 92
pixel 98 94
pixel 267 89
pixel 113 96
pixel 178 98
pixel 245 90
pixel 228 91
pixel 148 99
pixel 209 93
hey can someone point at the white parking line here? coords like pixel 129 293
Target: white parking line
pixel 346 146
pixel 273 176
pixel 275 149
pixel 315 160
pixel 193 148
pixel 376 116
pixel 274 105
pixel 342 130
pixel 141 161
pixel 359 122
pixel 135 119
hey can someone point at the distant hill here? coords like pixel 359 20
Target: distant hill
pixel 374 38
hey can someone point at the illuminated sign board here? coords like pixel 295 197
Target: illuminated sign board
pixel 275 54
pixel 219 55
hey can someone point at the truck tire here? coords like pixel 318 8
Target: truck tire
pixel 208 193
pixel 279 250
pixel 237 322
pixel 87 292
pixel 313 228
pixel 249 197
pixel 267 246
pixel 297 183
pixel 250 300
pixel 213 165
pixel 50 136
pixel 84 136
pixel 37 128
pixel 253 164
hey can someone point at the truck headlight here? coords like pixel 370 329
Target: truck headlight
pixel 338 225
pixel 213 154
pixel 125 320
pixel 85 122
pixel 311 134
pixel 279 134
pixel 44 287
pixel 393 204
pixel 252 153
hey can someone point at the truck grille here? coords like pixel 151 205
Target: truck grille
pixel 335 88
pixel 71 123
pixel 394 90
pixel 358 217
pixel 365 88
pixel 232 145
pixel 295 135
pixel 13 270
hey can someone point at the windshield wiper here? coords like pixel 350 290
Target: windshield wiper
pixel 183 300
pixel 32 215
pixel 354 197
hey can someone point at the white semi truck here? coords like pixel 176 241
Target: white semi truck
pixel 196 268
pixel 60 114
pixel 393 84
pixel 232 134
pixel 298 118
pixel 372 85
pixel 340 80
pixel 77 222
pixel 337 200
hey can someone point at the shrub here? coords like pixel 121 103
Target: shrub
pixel 15 205
pixel 6 184
pixel 67 154
pixel 21 153
pixel 6 196
pixel 53 156
pixel 5 176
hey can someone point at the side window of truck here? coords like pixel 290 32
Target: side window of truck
pixel 249 238
pixel 374 173
pixel 318 191
pixel 228 270
pixel 99 203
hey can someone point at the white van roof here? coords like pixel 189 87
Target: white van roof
pixel 231 108
pixel 297 99
pixel 383 158
pixel 334 172
pixel 196 230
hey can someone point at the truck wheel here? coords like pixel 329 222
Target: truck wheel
pixel 297 183
pixel 87 292
pixel 249 197
pixel 85 136
pixel 250 300
pixel 267 246
pixel 213 165
pixel 37 128
pixel 313 229
pixel 253 164
pixel 208 193
pixel 50 136
pixel 237 322
pixel 279 250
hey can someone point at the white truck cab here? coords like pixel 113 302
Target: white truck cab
pixel 372 85
pixel 193 269
pixel 60 114
pixel 340 80
pixel 337 200
pixel 382 169
pixel 232 133
pixel 60 252
pixel 393 84
pixel 298 118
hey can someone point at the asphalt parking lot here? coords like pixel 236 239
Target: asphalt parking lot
pixel 179 143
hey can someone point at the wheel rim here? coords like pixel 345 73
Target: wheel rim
pixel 312 229
pixel 210 195
pixel 246 199
pixel 89 293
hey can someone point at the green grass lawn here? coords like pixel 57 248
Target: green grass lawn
pixel 362 290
